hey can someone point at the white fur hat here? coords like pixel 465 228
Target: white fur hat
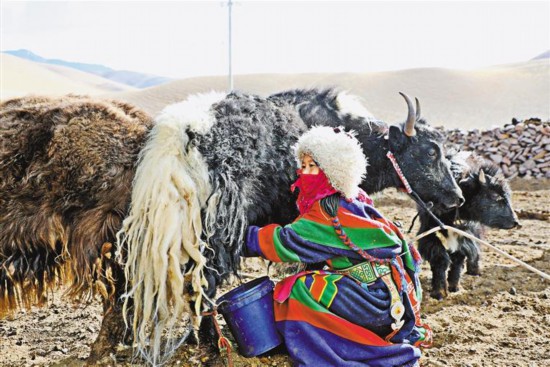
pixel 338 153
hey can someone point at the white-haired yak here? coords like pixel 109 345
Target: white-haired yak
pixel 151 214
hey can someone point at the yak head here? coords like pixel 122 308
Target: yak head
pixel 419 150
pixel 488 198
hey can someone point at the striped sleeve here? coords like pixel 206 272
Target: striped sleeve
pixel 312 238
pixel 286 244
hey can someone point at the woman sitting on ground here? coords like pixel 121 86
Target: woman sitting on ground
pixel 365 309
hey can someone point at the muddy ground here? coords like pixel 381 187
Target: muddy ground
pixel 501 318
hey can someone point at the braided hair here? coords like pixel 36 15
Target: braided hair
pixel 330 205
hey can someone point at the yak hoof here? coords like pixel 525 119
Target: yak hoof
pixel 475 272
pixel 101 350
pixel 454 288
pixel 207 334
pixel 438 294
pixel 111 333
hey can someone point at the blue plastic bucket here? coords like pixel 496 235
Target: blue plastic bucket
pixel 248 311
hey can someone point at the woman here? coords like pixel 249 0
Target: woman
pixel 363 310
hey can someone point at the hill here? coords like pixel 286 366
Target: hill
pixel 131 78
pixel 452 98
pixel 544 55
pixel 21 77
pixel 479 98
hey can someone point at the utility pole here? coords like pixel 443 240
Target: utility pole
pixel 229 5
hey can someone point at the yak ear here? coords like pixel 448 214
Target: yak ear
pixel 397 139
pixel 467 182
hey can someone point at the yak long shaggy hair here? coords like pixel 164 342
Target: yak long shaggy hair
pixel 66 167
pixel 164 229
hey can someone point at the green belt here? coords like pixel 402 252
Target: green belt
pixel 366 272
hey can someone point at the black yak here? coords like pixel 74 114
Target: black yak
pixel 75 193
pixel 488 203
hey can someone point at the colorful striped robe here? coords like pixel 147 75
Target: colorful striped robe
pixel 326 318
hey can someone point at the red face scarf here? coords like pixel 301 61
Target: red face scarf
pixel 312 188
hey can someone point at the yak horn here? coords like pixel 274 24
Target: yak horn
pixel 482 178
pixel 409 125
pixel 418 114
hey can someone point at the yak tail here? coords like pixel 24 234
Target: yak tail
pixel 161 239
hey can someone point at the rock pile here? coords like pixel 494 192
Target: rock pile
pixel 521 148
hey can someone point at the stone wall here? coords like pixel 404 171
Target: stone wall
pixel 521 148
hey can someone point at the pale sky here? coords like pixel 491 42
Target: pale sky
pixel 190 38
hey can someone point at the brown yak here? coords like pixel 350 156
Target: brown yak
pixel 66 167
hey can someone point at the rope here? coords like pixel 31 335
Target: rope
pixel 413 222
pixel 223 342
pixel 494 248
pixel 399 172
